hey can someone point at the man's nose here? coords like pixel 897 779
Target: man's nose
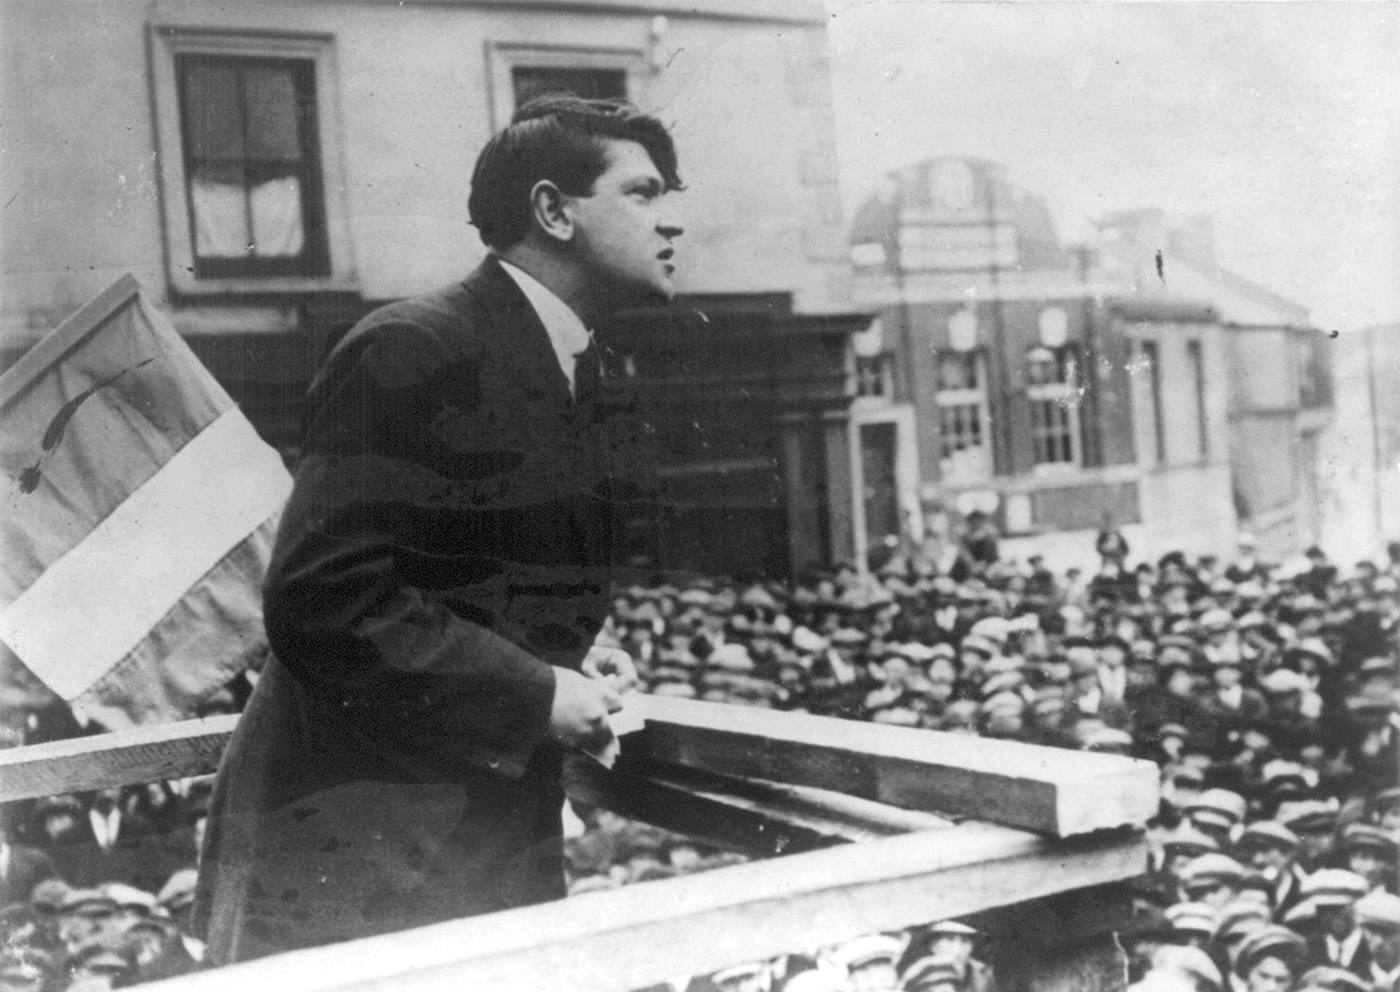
pixel 669 223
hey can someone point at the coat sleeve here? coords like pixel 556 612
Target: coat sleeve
pixel 385 594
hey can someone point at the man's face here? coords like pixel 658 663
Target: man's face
pixel 1366 863
pixel 1269 975
pixel 1336 920
pixel 624 228
pixel 1270 859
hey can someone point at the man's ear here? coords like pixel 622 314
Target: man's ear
pixel 549 209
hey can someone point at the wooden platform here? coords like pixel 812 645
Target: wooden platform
pixel 875 828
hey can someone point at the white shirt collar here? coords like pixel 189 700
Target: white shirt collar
pixel 567 333
pixel 1342 951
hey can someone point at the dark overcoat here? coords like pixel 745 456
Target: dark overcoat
pixel 445 544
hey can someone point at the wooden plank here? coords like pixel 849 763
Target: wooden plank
pixel 146 754
pixel 1049 790
pixel 761 819
pixel 1034 788
pixel 628 938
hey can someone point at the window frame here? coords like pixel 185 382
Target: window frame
pixel 504 57
pixel 167 44
pixel 1062 394
pixel 978 397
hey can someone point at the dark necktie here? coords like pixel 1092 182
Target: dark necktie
pixel 588 374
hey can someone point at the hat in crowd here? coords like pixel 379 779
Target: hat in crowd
pixel 1241 918
pixel 952 927
pixel 869 949
pixel 1211 869
pixel 1109 740
pixel 1330 978
pixel 1379 910
pixel 1278 773
pixel 1308 815
pixel 931 972
pixel 1364 837
pixel 849 637
pixel 88 902
pixel 1190 840
pixel 1271 941
pixel 731 657
pixel 738 973
pixel 814 980
pixel 1316 647
pixel 1282 681
pixel 178 890
pixel 1373 699
pixel 101 958
pixel 979 644
pixel 48 895
pixel 1193 917
pixel 1217 807
pixel 807 640
pixel 1268 833
pixel 1385 799
pixel 1002 682
pixel 129 897
pixel 1334 887
pixel 1216 620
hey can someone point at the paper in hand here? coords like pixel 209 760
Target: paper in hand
pixel 627 720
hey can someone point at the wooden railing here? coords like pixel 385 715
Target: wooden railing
pixel 878 827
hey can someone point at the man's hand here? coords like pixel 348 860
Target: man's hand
pixel 612 665
pixel 579 717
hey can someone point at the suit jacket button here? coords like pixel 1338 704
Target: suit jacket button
pixel 493 763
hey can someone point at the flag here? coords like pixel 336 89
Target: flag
pixel 139 509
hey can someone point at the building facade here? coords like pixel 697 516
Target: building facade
pixel 1361 479
pixel 1059 388
pixel 272 171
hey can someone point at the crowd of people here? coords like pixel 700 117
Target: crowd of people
pixel 1268 696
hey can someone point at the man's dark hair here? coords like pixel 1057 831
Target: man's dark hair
pixel 558 137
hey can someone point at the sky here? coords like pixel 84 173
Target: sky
pixel 1279 119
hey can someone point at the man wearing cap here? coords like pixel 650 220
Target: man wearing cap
pixel 1333 893
pixel 1378 916
pixel 870 962
pixel 1212 879
pixel 1371 853
pixel 1271 849
pixel 1268 960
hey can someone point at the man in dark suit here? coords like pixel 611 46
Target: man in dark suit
pixel 21 868
pixel 442 568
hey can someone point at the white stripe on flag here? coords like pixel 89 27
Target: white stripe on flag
pixel 92 606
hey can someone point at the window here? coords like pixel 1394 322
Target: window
pixel 519 72
pixel 252 177
pixel 1052 379
pixel 963 419
pixel 1152 359
pixel 873 375
pixel 528 82
pixel 252 170
pixel 1198 378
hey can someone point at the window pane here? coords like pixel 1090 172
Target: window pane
pixel 219 204
pixel 271 101
pixel 276 209
pixel 593 84
pixel 213 122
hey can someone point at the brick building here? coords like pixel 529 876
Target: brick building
pixel 1057 387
